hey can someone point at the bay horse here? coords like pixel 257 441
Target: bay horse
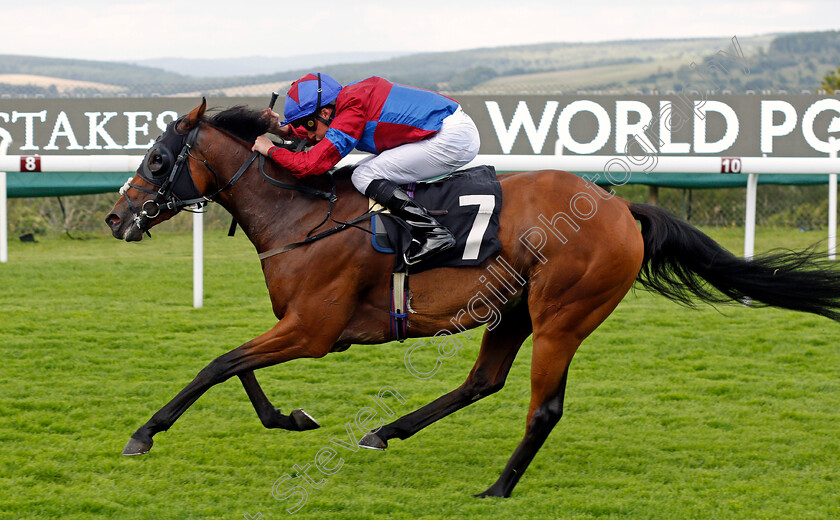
pixel 570 252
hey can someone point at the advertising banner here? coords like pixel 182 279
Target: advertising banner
pixel 743 125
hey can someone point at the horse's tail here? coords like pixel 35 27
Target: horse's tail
pixel 681 262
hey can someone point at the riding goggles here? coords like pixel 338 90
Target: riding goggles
pixel 307 123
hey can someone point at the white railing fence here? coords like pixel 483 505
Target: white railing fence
pixel 618 166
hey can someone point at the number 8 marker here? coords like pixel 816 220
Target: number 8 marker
pixel 30 163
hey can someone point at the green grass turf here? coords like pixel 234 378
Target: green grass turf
pixel 670 413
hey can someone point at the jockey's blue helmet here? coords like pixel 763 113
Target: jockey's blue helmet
pixel 308 95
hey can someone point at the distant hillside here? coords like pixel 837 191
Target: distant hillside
pixel 793 62
pixel 252 65
pixel 86 70
pixel 790 62
pixel 459 71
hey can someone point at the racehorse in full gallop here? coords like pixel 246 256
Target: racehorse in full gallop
pixel 571 251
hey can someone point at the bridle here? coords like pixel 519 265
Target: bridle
pixel 167 196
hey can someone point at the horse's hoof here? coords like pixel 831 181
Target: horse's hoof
pixel 135 447
pixel 304 421
pixel 372 441
pixel 492 493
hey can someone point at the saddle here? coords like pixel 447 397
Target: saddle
pixel 467 202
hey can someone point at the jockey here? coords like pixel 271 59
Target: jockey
pixel 413 134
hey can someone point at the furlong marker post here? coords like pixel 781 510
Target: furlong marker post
pixel 749 220
pixel 4 239
pixel 573 163
pixel 198 259
pixel 832 204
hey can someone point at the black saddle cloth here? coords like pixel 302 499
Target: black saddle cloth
pixel 468 203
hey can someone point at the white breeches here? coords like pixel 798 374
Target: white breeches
pixel 453 146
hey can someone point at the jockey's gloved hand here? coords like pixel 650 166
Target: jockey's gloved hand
pixel 293 144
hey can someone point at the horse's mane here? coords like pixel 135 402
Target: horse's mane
pixel 248 124
pixel 241 121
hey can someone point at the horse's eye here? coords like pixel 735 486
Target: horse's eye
pixel 155 161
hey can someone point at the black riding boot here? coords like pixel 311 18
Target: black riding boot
pixel 429 237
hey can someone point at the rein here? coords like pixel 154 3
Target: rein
pixel 333 230
pixel 331 196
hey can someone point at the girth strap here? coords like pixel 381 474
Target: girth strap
pixel 399 306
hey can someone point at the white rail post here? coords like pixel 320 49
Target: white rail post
pixel 198 259
pixel 749 231
pixel 832 205
pixel 4 234
pixel 5 141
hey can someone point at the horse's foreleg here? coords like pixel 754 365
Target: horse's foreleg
pixel 270 416
pixel 498 350
pixel 282 343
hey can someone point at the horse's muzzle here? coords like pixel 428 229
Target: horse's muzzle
pixel 124 228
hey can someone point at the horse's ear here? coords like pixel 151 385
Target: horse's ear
pixel 194 116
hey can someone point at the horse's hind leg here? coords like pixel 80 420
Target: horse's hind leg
pixel 549 369
pixel 558 332
pixel 498 350
pixel 270 416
